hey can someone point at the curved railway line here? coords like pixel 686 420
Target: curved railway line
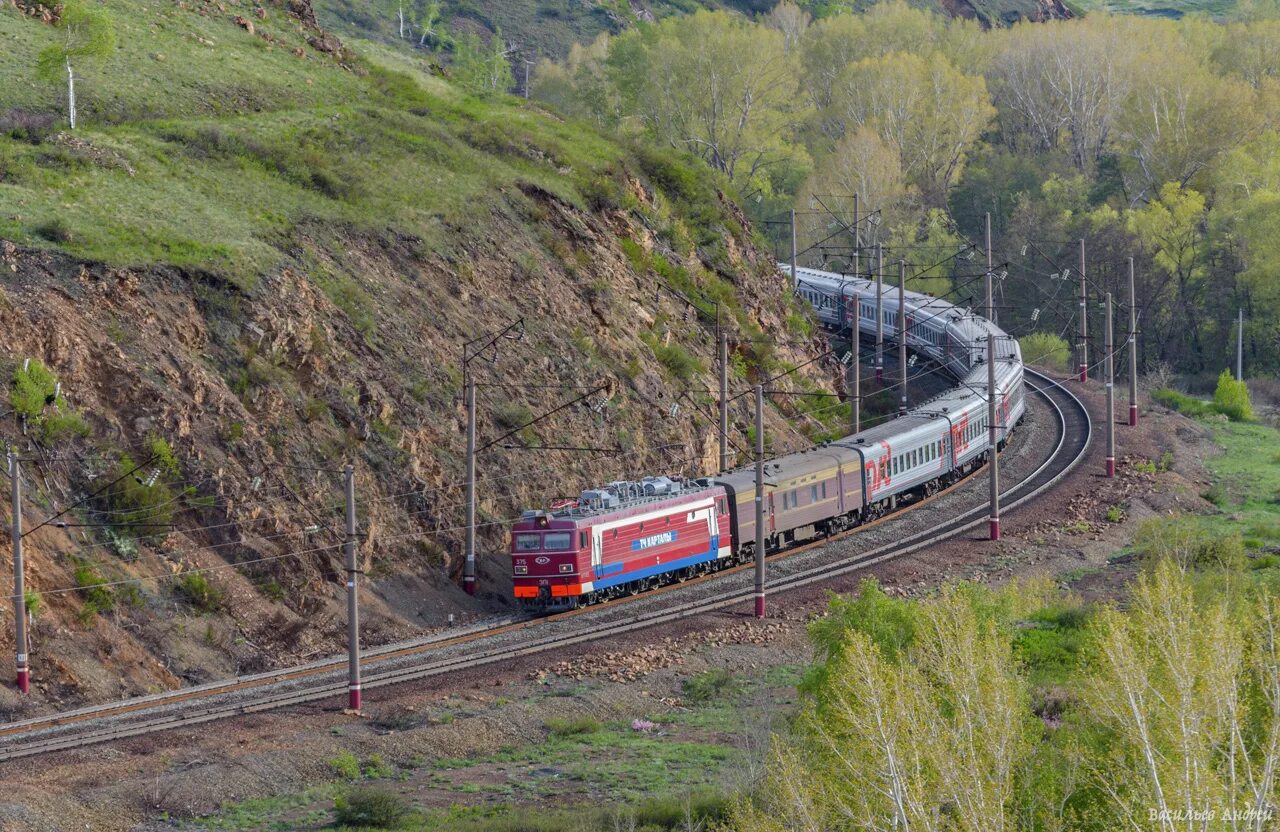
pixel 187 707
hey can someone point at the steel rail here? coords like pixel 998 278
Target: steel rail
pixel 1075 430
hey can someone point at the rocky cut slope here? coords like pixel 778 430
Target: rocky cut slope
pixel 257 261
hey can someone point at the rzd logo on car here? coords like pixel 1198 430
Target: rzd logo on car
pixel 542 561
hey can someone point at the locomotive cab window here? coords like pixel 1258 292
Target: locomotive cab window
pixel 556 541
pixel 528 542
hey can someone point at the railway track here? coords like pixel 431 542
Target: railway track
pixel 172 710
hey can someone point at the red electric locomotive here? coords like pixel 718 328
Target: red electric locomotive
pixel 621 539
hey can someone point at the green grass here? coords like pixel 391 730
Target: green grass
pixel 212 158
pixel 1049 642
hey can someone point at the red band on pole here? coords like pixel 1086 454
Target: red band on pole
pixel 24 680
pixel 1133 415
pixel 353 699
pixel 760 606
pixel 995 528
pixel 469 584
pixel 1111 467
pixel 1084 373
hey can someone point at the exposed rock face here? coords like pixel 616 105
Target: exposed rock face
pixel 45 13
pixel 302 10
pixel 264 393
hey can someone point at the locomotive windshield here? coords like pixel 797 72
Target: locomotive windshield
pixel 550 542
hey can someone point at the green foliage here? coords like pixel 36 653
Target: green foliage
pixel 371 807
pixel 141 500
pixel 1051 642
pixel 36 397
pixel 572 726
pixel 710 686
pixel 512 415
pixel 32 602
pixel 1231 398
pixel 480 68
pixel 888 622
pixel 345 765
pixel 93 588
pixel 1187 543
pixel 677 360
pixel 1116 513
pixel 203 595
pixel 1184 404
pixel 85 32
pixel 1046 350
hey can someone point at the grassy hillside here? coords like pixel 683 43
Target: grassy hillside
pixel 261 252
pixel 215 141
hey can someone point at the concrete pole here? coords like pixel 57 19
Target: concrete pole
pixel 19 588
pixel 794 279
pixel 879 313
pixel 759 501
pixel 1240 345
pixel 353 598
pixel 1110 369
pixel 857 236
pixel 1084 321
pixel 855 350
pixel 1133 350
pixel 990 305
pixel 902 335
pixel 469 563
pixel 993 437
pixel 724 401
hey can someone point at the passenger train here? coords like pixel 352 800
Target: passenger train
pixel 630 536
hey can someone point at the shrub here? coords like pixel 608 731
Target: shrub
pixel 346 766
pixel 202 594
pixel 1115 514
pixel 677 360
pixel 1046 350
pixel 370 806
pixel 93 588
pixel 1184 541
pixel 32 603
pixel 139 496
pixel 512 415
pixel 1216 494
pixel 700 809
pixel 1231 398
pixel 572 726
pixel 1184 404
pixel 710 686
pixel 36 397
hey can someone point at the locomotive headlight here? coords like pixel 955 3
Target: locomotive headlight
pixel 522 570
pixel 566 567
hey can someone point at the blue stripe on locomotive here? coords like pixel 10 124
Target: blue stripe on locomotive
pixel 660 568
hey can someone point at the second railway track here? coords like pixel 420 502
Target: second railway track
pixel 178 709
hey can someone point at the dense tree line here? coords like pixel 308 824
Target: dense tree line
pixel 1147 137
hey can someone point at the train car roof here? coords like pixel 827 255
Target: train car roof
pixel 885 430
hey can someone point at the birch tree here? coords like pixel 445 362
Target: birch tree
pixel 712 84
pixel 1188 690
pixel 84 34
pixel 925 108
